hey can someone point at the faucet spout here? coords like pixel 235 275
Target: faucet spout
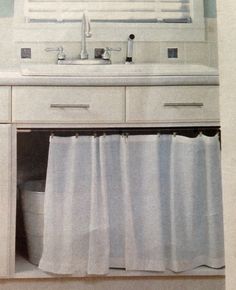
pixel 85 33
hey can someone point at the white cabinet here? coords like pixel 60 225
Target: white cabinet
pixel 144 105
pixel 74 107
pixel 68 104
pixel 5 104
pixel 5 180
pixel 5 199
pixel 172 104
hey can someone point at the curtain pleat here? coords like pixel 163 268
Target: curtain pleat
pixel 98 260
pixel 195 185
pixel 145 202
pixel 144 244
pixel 76 238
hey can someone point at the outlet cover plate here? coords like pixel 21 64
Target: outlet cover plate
pixel 172 52
pixel 25 52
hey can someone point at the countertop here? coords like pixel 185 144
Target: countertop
pixel 12 76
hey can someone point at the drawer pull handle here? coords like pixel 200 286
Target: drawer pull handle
pixel 183 104
pixel 70 106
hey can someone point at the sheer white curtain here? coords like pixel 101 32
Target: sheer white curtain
pixel 173 203
pixel 76 220
pixel 144 202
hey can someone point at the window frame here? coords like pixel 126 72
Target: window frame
pixel 104 31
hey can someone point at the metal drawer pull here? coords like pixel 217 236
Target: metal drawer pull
pixel 70 106
pixel 183 104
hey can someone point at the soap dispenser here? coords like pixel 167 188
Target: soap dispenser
pixel 129 56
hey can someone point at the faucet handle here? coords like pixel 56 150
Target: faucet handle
pixel 113 49
pixel 61 54
pixel 107 52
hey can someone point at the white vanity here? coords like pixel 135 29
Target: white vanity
pixel 49 98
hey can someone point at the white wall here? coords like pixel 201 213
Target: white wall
pixel 227 46
pixel 7 47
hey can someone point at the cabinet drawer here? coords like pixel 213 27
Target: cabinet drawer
pixel 173 104
pixel 68 104
pixel 5 104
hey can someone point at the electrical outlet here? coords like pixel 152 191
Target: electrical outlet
pixel 172 52
pixel 25 52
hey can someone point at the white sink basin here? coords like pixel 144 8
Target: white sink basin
pixel 116 70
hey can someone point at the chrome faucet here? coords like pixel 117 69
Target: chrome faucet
pixel 85 32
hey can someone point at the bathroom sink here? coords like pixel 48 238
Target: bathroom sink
pixel 116 70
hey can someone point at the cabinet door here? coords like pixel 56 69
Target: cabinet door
pixel 5 198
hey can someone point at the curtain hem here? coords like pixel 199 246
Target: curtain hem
pixel 140 265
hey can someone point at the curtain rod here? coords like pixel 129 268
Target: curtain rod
pixel 130 131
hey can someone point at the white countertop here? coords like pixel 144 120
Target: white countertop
pixel 200 75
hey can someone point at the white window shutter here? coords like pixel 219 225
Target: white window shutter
pixel 71 10
pixel 174 11
pixel 108 10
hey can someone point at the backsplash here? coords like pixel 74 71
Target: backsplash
pixel 149 52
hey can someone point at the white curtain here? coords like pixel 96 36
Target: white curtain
pixel 145 202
